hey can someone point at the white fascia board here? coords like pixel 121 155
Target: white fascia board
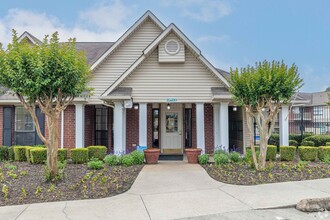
pixel 222 97
pixel 24 35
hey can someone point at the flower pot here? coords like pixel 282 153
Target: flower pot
pixel 192 154
pixel 151 155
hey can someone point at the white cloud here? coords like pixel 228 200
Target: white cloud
pixel 104 24
pixel 202 10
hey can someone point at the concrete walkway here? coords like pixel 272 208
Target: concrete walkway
pixel 173 190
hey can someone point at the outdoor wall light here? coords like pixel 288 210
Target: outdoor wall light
pixel 136 106
pixel 235 108
pixel 168 106
pixel 263 109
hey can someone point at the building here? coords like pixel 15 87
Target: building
pixel 152 87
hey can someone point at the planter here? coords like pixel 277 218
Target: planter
pixel 192 154
pixel 151 155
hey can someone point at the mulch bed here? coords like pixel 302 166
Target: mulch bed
pixel 243 174
pixel 79 182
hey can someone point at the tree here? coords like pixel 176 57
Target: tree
pixel 327 89
pixel 262 90
pixel 50 76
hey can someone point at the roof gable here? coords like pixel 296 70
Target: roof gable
pixel 30 38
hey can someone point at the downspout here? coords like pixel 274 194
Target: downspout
pixel 62 129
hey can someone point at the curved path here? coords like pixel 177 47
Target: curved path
pixel 173 190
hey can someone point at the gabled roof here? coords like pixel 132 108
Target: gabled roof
pixel 93 50
pixel 30 37
pixel 154 44
pixel 147 15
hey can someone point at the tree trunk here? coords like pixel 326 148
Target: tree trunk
pixel 249 124
pixel 263 146
pixel 52 146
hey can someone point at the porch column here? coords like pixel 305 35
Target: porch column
pixel 118 128
pixel 216 128
pixel 143 124
pixel 200 136
pixel 80 125
pixel 224 128
pixel 284 126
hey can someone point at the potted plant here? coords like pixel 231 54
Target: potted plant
pixel 192 154
pixel 151 155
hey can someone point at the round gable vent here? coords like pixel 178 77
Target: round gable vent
pixel 172 47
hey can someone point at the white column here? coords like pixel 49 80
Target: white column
pixel 216 126
pixel 224 128
pixel 118 129
pixel 200 136
pixel 80 125
pixel 143 124
pixel 284 126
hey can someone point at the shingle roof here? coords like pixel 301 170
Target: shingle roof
pixel 224 73
pixel 93 50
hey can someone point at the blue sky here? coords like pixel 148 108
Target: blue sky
pixel 232 33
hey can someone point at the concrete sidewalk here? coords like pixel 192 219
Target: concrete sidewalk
pixel 173 190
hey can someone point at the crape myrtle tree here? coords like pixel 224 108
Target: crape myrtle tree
pixel 261 90
pixel 50 76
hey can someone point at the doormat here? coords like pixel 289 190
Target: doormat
pixel 170 157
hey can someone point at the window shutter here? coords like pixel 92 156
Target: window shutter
pixel 7 126
pixel 41 119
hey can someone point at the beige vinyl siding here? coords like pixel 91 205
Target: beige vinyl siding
pixel 165 57
pixel 124 56
pixel 188 82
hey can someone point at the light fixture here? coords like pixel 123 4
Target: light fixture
pixel 235 108
pixel 168 106
pixel 136 106
pixel 263 109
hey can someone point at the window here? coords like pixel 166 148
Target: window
pixel 101 126
pixel 155 128
pixel 23 120
pixel 318 110
pixel 171 122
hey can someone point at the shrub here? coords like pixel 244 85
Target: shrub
pixel 307 153
pixel 293 143
pixel 326 160
pixel 307 143
pixel 11 154
pixel 203 159
pixel 221 159
pixel 38 155
pixel 40 146
pixel 327 144
pixel 319 140
pixel 248 156
pixel 62 154
pixel 111 160
pixel 298 138
pixel 271 152
pixel 274 139
pixel 287 153
pixel 126 160
pixel 138 157
pixel 60 172
pixel 79 155
pixel 28 152
pixel 95 164
pixel 98 152
pixel 20 153
pixel 323 152
pixel 4 153
pixel 234 157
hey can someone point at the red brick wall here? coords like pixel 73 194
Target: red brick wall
pixel 208 128
pixel 193 125
pixel 89 125
pixel 132 129
pixel 70 127
pixel 149 125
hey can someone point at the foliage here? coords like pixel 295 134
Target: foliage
pixel 220 159
pixel 38 155
pixel 307 143
pixel 98 152
pixel 11 154
pixel 4 153
pixel 138 157
pixel 274 139
pixel 62 154
pixel 271 152
pixel 293 143
pixel 307 153
pixel 287 153
pixel 95 164
pixel 323 152
pixel 111 160
pixel 10 166
pixel 327 144
pixel 20 153
pixel 203 159
pixel 126 160
pixel 49 177
pixel 326 160
pixel 79 155
pixel 234 157
pixel 319 140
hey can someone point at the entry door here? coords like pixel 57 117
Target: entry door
pixel 171 123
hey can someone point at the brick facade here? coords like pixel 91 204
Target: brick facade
pixel 70 127
pixel 208 128
pixel 132 129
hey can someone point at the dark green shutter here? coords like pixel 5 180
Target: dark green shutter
pixel 7 126
pixel 41 119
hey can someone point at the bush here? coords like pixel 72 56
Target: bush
pixel 138 157
pixel 20 153
pixel 111 160
pixel 62 154
pixel 293 143
pixel 323 152
pixel 307 143
pixel 271 152
pixel 38 155
pixel 327 144
pixel 95 164
pixel 234 157
pixel 40 146
pixel 126 160
pixel 307 153
pixel 4 153
pixel 79 155
pixel 319 140
pixel 297 137
pixel 203 159
pixel 60 172
pixel 98 152
pixel 221 159
pixel 28 151
pixel 274 139
pixel 11 154
pixel 248 156
pixel 287 153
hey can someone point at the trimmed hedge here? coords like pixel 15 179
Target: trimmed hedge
pixel 79 155
pixel 11 154
pixel 4 153
pixel 319 140
pixel 324 152
pixel 327 144
pixel 287 153
pixel 293 143
pixel 274 139
pixel 27 154
pixel 38 155
pixel 98 152
pixel 307 153
pixel 62 154
pixel 271 152
pixel 308 143
pixel 20 153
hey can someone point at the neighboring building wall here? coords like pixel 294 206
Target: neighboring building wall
pixel 70 127
pixel 208 128
pixel 89 125
pixel 132 129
